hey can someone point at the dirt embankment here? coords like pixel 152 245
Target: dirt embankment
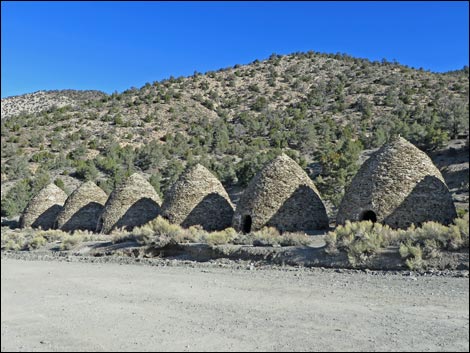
pixel 315 255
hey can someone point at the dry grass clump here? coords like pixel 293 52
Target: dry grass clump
pixel 226 236
pixel 361 240
pixel 270 236
pixel 160 231
pixel 426 242
pixel 12 245
pixel 295 239
pixel 413 255
pixel 266 236
pixel 463 226
pixel 157 231
pixel 30 239
pixel 21 239
pixel 69 241
pixel 36 242
pixel 121 236
pixel 435 234
pixel 163 228
pixel 52 235
pixel 15 239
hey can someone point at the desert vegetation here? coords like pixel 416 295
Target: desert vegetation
pixel 158 232
pixel 361 240
pixel 161 232
pixel 322 110
pixel 326 112
pixel 30 239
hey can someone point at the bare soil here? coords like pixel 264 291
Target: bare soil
pixel 228 306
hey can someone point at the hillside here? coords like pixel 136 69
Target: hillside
pixel 324 110
pixel 46 100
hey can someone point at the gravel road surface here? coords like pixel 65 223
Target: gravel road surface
pixel 66 306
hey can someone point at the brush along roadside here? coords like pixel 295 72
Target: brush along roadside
pixel 354 245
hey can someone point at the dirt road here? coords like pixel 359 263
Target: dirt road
pixel 62 306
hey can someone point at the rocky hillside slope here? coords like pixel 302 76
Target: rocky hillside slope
pixel 41 101
pixel 321 109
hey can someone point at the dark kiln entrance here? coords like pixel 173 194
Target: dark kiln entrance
pixel 246 224
pixel 369 216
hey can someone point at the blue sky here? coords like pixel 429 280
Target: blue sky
pixel 112 46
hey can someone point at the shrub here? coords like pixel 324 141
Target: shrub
pixel 12 245
pixel 220 237
pixel 37 242
pixel 69 242
pixel 453 237
pixel 16 199
pixel 463 225
pixel 162 227
pixel 29 238
pixel 270 236
pixel 118 120
pixel 461 212
pixel 193 234
pixel 52 235
pixel 330 241
pixel 360 240
pixel 412 254
pixel 60 183
pixel 294 239
pixel 121 236
pixel 158 230
pixel 86 170
pixel 430 249
pixel 16 239
pixel 267 236
pixel 259 104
